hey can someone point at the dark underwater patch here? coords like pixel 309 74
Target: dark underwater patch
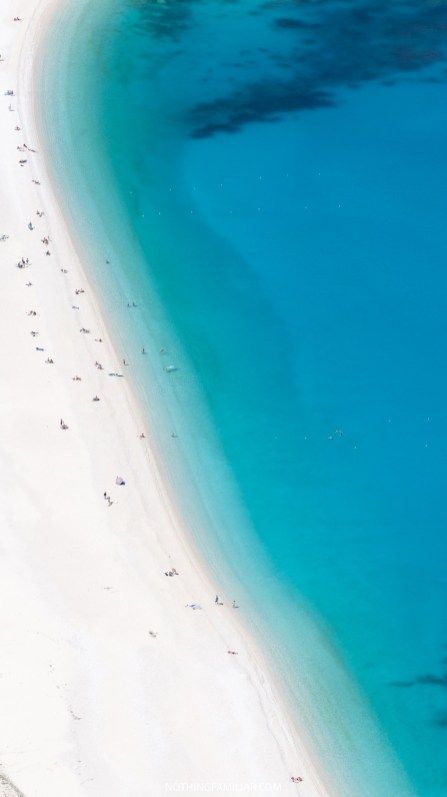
pixel 262 102
pixel 292 24
pixel 166 20
pixel 426 679
pixel 432 680
pixel 378 41
pixel 402 684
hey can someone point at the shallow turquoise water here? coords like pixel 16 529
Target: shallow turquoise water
pixel 267 182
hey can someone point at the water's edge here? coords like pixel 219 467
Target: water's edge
pixel 312 672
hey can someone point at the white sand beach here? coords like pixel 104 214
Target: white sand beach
pixel 109 683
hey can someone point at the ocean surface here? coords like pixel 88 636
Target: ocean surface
pixel 259 189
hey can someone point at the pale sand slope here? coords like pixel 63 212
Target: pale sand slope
pixel 90 703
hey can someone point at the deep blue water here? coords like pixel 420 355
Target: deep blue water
pixel 270 180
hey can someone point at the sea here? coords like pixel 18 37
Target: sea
pixel 258 190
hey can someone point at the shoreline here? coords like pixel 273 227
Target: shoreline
pixel 64 625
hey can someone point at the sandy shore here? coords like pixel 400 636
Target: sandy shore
pixel 109 683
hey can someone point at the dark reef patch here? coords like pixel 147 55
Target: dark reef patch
pixel 441 719
pixel 376 41
pixel 402 684
pixel 167 20
pixel 432 680
pixel 293 24
pixel 261 102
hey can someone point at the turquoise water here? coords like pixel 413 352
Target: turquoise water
pixel 267 182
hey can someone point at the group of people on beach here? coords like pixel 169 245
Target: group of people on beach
pixel 171 572
pixel 23 263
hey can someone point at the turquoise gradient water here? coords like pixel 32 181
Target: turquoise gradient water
pixel 266 182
